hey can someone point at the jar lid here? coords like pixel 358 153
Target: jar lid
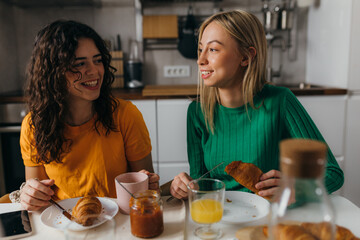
pixel 302 158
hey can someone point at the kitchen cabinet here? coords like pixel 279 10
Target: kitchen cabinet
pixel 328 113
pixel 171 119
pixel 166 122
pixel 352 150
pixel 148 110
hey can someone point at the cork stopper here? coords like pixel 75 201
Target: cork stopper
pixel 302 158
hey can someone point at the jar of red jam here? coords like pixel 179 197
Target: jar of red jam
pixel 146 214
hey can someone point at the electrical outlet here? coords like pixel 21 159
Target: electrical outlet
pixel 177 71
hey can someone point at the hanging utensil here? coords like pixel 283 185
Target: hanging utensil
pixel 187 38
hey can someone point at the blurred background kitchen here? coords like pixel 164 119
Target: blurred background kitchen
pixel 313 44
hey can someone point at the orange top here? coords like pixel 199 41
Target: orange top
pixel 94 159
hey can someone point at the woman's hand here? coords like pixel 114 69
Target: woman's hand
pixel 178 186
pixel 153 179
pixel 36 194
pixel 269 183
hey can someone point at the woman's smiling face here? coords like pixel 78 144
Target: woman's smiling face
pixel 86 84
pixel 219 58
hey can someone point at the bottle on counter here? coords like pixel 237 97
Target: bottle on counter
pixel 146 214
pixel 301 206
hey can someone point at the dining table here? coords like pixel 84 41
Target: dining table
pixel 177 222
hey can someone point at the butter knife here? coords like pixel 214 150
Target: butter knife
pixel 64 212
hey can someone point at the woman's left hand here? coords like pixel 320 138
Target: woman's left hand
pixel 269 183
pixel 153 179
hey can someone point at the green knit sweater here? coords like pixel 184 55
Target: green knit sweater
pixel 252 137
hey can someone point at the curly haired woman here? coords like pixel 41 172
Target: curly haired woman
pixel 77 137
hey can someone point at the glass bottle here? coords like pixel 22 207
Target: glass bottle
pixel 146 214
pixel 302 200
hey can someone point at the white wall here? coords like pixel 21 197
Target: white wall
pixel 293 69
pixel 19 26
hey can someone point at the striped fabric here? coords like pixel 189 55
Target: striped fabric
pixel 252 136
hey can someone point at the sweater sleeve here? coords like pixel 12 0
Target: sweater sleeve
pixel 194 141
pixel 299 124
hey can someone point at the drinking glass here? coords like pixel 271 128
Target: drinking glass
pixel 206 202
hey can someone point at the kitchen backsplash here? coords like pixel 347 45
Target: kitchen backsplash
pixel 18 27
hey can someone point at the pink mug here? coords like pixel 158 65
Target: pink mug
pixel 133 182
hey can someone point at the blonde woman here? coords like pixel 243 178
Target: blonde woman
pixel 239 116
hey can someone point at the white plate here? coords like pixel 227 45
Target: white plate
pixel 241 207
pixel 54 218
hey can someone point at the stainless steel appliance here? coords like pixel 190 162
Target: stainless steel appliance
pixel 12 170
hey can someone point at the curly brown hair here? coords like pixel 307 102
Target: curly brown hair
pixel 47 91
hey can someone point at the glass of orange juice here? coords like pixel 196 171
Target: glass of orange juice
pixel 206 202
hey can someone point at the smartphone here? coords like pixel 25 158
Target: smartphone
pixel 15 225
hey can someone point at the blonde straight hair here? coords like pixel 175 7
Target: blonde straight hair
pixel 248 31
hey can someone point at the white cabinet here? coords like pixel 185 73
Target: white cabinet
pixel 167 171
pixel 172 130
pixel 352 151
pixel 171 119
pixel 148 110
pixel 166 122
pixel 328 113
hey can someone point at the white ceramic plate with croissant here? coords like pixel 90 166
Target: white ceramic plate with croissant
pixel 54 218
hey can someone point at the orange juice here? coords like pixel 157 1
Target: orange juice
pixel 206 211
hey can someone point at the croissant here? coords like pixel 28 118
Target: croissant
pixel 247 174
pixel 322 231
pixel 290 232
pixel 319 231
pixel 86 210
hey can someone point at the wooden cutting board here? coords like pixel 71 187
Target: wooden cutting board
pixel 170 90
pixel 251 233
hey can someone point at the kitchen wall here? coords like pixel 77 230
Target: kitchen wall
pixel 8 50
pixel 18 27
pixel 293 67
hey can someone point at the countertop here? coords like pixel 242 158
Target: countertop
pixel 182 91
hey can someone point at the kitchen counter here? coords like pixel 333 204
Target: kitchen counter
pixel 182 91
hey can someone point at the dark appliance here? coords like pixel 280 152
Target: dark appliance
pixel 12 170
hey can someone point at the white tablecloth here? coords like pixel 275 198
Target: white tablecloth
pixel 178 224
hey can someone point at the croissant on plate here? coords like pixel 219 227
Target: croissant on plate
pixel 321 231
pixel 293 232
pixel 86 210
pixel 306 230
pixel 247 174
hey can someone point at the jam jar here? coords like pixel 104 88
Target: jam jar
pixel 146 214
